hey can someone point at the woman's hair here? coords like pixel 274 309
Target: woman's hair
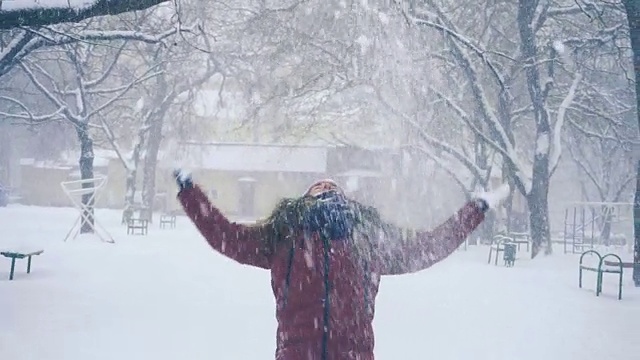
pixel 287 220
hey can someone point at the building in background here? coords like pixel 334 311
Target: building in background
pixel 244 179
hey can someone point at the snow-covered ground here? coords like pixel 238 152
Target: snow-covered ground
pixel 167 296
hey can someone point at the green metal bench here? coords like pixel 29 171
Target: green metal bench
pixel 20 255
pixel 167 219
pixel 134 224
pixel 520 238
pixel 509 252
pixel 506 246
pixel 600 270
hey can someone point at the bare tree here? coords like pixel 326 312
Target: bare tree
pixel 139 124
pixel 179 93
pixel 544 162
pixel 605 160
pixel 605 163
pixel 306 65
pixel 515 96
pixel 78 84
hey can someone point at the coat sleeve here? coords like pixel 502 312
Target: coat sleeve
pixel 402 251
pixel 239 242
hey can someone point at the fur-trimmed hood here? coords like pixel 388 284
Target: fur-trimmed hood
pixel 337 219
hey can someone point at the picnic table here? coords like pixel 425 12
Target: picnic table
pixel 13 255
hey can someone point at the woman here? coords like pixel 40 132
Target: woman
pixel 326 254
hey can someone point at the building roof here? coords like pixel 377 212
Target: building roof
pixel 252 157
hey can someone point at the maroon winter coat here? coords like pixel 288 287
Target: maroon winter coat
pixel 316 321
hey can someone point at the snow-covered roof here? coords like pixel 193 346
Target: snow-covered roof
pixel 253 157
pixel 43 164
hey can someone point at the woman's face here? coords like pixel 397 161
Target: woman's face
pixel 323 186
pixel 329 212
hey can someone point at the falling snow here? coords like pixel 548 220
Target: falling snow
pixel 559 47
pixel 542 144
pixel 127 293
pixel 412 112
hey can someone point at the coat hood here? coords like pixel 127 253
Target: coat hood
pixel 322 186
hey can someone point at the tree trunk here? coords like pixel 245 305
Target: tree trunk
pixel 151 163
pixel 508 204
pixel 605 228
pixel 487 230
pixel 633 16
pixel 86 172
pixel 538 203
pixel 538 196
pixel 129 196
pixel 130 185
pixel 132 172
pixel 156 123
pixel 636 227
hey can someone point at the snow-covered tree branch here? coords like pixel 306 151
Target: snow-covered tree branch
pixel 25 41
pixel 17 13
pixel 67 92
pixel 551 76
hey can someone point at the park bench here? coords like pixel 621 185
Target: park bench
pixel 167 219
pixel 13 255
pixel 135 211
pixel 628 265
pixel 134 224
pixel 625 264
pixel 506 246
pixel 520 238
pixel 615 267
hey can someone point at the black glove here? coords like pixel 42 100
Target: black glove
pixel 482 204
pixel 183 179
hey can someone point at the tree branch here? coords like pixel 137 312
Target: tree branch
pixel 52 98
pixel 28 41
pixel 143 78
pixel 27 116
pixel 15 14
pixel 556 152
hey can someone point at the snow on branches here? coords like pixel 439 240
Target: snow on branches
pixel 18 13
